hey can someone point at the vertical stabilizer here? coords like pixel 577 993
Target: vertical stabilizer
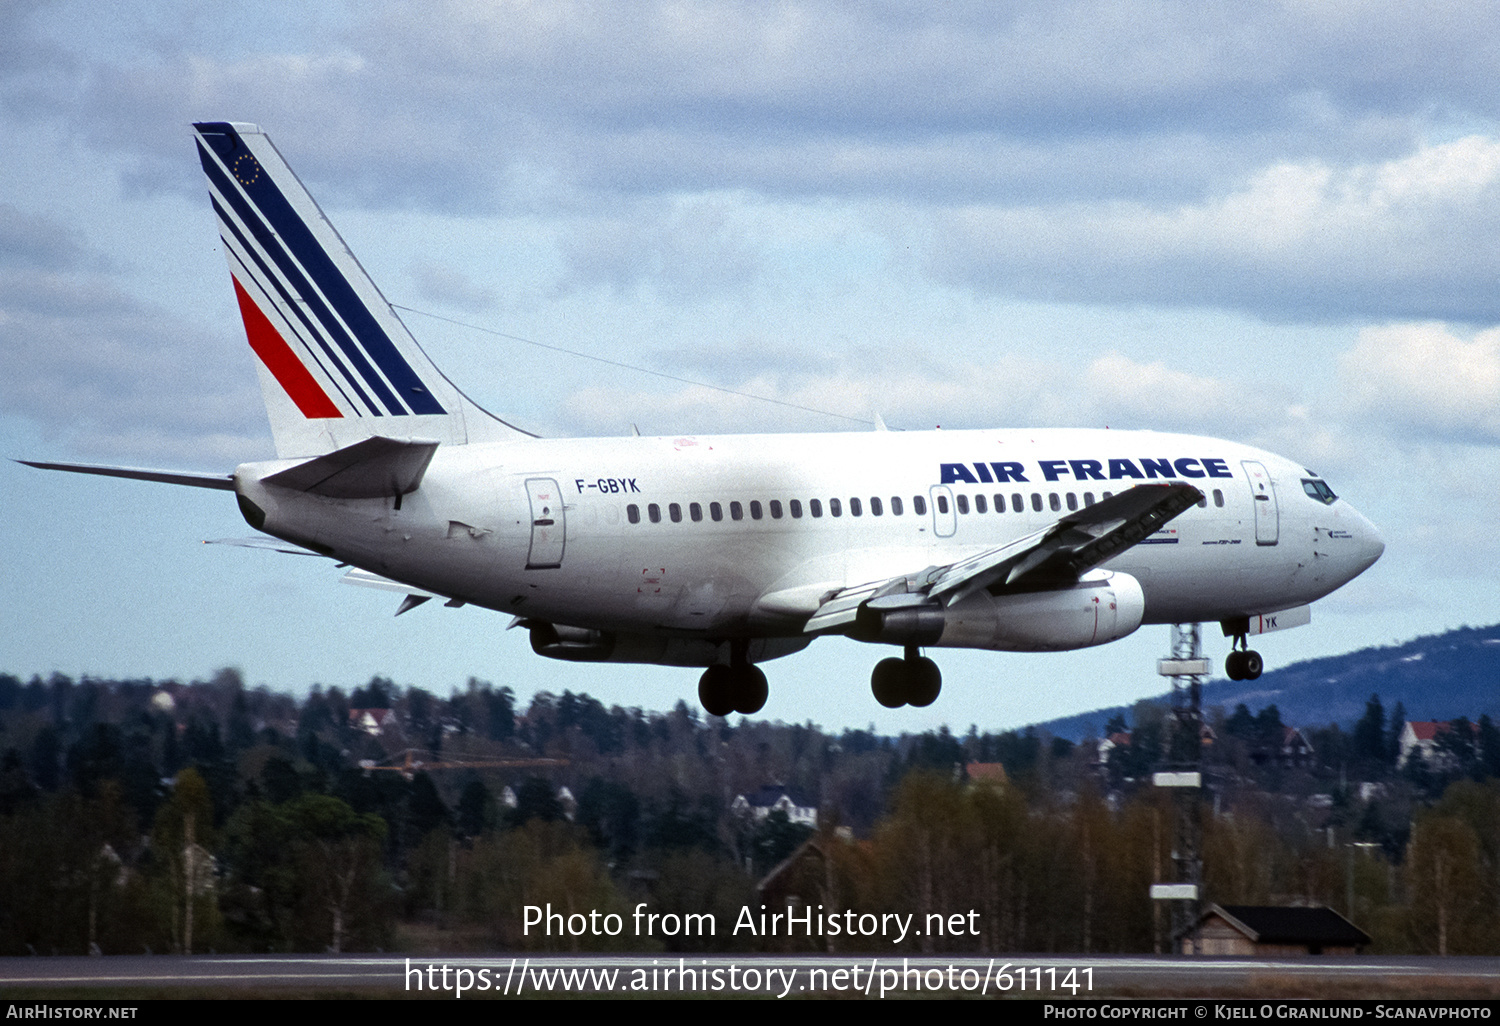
pixel 337 365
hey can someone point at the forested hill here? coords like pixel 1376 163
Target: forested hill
pixel 1437 677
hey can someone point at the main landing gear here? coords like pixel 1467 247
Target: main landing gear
pixel 738 687
pixel 1243 663
pixel 914 680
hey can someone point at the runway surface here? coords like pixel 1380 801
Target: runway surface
pixel 764 975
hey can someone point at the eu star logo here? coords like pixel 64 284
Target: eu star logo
pixel 246 169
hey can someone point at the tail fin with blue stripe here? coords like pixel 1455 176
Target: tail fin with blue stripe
pixel 337 365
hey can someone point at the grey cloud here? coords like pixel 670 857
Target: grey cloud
pixel 457 105
pixel 97 368
pixel 439 283
pixel 32 241
pixel 682 250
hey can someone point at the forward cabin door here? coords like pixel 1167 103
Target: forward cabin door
pixel 548 524
pixel 1267 516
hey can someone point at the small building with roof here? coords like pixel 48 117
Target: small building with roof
pixel 1273 931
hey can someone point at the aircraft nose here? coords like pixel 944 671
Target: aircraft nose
pixel 1368 543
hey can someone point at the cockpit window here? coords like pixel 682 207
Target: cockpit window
pixel 1318 490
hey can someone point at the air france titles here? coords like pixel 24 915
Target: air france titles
pixel 1138 469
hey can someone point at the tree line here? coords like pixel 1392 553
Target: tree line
pixel 144 815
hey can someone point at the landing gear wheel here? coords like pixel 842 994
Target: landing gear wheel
pixel 716 690
pixel 888 682
pixel 1234 665
pixel 924 682
pixel 750 689
pixel 1251 664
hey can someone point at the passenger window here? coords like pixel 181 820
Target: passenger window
pixel 875 508
pixel 963 503
pixel 835 508
pixel 919 505
pixel 815 507
pixel 776 509
pixel 1088 499
pixel 1218 498
pixel 755 513
pixel 674 510
pixel 654 512
pixel 633 513
pixel 716 511
pixel 1054 502
pixel 1202 501
pixel 795 505
pixel 696 512
pixel 1072 501
pixel 855 509
pixel 942 501
pixel 1036 501
pixel 980 506
pixel 736 511
pixel 1017 503
pixel 895 505
pixel 1108 494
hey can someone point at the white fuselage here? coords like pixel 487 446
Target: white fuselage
pixel 640 535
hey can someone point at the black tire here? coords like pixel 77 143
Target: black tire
pixel 888 682
pixel 924 683
pixel 1234 665
pixel 716 691
pixel 1253 664
pixel 750 689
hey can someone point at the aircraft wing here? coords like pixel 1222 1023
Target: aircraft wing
pixel 1055 556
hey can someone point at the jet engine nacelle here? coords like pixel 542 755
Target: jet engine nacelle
pixel 1103 606
pixel 584 645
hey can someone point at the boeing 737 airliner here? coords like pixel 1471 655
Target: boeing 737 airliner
pixel 722 552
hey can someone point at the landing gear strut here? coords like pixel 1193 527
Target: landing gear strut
pixel 738 687
pixel 1242 663
pixel 914 680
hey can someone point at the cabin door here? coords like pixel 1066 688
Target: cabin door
pixel 1267 516
pixel 548 524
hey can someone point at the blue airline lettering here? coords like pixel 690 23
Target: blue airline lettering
pixel 1119 469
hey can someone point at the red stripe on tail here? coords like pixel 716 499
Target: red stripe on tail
pixel 282 362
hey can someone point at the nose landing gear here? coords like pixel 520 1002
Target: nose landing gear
pixel 914 680
pixel 1243 663
pixel 738 687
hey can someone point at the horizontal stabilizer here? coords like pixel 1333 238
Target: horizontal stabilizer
pixel 224 482
pixel 373 469
pixel 268 544
pixel 368 580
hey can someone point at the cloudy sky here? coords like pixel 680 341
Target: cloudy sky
pixel 1272 222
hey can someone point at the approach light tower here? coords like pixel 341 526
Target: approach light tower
pixel 1183 772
